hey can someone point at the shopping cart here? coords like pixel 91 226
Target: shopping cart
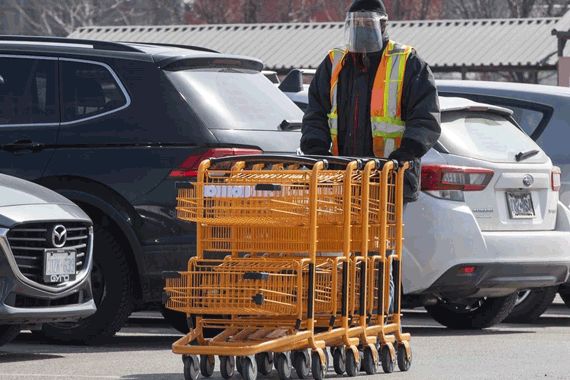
pixel 293 265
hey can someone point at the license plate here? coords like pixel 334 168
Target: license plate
pixel 59 265
pixel 520 205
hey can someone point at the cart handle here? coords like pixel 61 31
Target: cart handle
pixel 339 160
pixel 271 159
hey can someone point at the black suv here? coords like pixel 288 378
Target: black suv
pixel 113 127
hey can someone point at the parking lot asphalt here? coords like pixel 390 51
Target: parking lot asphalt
pixel 141 351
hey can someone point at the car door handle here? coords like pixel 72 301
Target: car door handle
pixel 23 145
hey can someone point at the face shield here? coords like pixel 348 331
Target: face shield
pixel 363 32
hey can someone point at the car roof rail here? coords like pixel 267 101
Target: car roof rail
pixel 99 45
pixel 188 47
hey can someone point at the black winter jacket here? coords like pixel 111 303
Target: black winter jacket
pixel 420 111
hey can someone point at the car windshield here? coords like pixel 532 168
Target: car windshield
pixel 486 136
pixel 234 99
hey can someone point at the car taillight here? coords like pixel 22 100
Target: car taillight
pixel 449 182
pixel 189 168
pixel 556 178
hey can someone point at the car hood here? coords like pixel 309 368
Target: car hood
pixel 15 192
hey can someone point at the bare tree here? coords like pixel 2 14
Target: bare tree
pixel 61 17
pixel 212 12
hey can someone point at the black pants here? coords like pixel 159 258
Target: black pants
pixel 392 285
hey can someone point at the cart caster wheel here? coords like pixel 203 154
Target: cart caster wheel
pixel 339 360
pixel 248 368
pixel 264 363
pixel 302 364
pixel 404 363
pixel 239 364
pixel 283 364
pixel 387 360
pixel 207 364
pixel 319 370
pixel 369 364
pixel 227 365
pixel 191 367
pixel 352 363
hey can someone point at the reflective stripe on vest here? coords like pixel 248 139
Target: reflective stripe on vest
pixel 386 100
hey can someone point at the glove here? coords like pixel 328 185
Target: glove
pixel 402 156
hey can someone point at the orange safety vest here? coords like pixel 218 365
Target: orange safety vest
pixel 386 101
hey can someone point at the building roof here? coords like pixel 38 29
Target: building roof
pixel 447 45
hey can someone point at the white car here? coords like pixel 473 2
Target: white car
pixel 488 220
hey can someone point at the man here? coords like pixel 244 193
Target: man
pixel 375 98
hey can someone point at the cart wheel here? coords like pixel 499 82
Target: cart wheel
pixel 264 362
pixel 191 367
pixel 404 363
pixel 368 362
pixel 352 363
pixel 339 360
pixel 387 360
pixel 283 364
pixel 227 365
pixel 319 370
pixel 207 364
pixel 302 364
pixel 248 368
pixel 239 364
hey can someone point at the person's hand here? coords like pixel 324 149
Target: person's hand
pixel 401 156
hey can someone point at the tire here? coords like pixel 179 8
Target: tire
pixel 533 305
pixel 191 367
pixel 249 368
pixel 175 319
pixel 283 365
pixel 484 313
pixel 339 360
pixel 319 370
pixel 404 363
pixel 227 366
pixel 8 333
pixel 386 359
pixel 368 363
pixel 302 364
pixel 352 364
pixel 207 364
pixel 264 363
pixel 112 283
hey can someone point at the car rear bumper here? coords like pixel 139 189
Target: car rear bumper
pixel 497 279
pixel 442 236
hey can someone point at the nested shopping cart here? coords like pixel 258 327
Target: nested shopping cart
pixel 290 264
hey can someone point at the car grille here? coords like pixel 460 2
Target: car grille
pixel 28 242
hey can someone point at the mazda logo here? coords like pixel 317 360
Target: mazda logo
pixel 528 180
pixel 59 236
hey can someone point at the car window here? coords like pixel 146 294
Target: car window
pixel 28 91
pixel 485 136
pixel 234 99
pixel 528 119
pixel 88 90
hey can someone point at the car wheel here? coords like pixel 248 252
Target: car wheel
pixel 112 286
pixel 531 304
pixel 8 333
pixel 479 314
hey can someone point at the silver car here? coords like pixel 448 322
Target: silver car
pixel 46 244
